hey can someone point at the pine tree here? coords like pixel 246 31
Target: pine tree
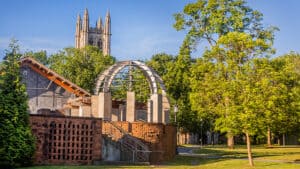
pixel 16 139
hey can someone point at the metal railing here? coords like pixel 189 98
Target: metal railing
pixel 140 151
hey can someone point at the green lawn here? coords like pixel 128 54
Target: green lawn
pixel 287 154
pixel 219 158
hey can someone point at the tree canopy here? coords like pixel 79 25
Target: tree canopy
pixel 210 19
pixel 81 66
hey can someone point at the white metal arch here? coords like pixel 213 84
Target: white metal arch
pixel 105 79
pixel 158 110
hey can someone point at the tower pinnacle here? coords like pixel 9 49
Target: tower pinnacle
pixel 86 21
pixel 98 36
pixel 99 24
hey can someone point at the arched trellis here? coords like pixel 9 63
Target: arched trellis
pixel 105 79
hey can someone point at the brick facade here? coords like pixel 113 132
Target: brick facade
pixel 66 140
pixel 160 138
pixel 78 140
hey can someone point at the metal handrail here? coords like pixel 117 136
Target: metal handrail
pixel 125 139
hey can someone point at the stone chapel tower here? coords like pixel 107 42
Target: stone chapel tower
pixel 99 36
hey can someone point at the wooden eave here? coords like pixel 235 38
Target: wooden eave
pixel 52 76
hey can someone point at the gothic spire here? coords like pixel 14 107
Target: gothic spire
pixel 107 35
pixel 78 23
pixel 86 21
pixel 107 23
pixel 99 24
pixel 77 33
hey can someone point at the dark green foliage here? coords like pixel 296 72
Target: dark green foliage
pixel 161 63
pixel 40 56
pixel 80 66
pixel 16 140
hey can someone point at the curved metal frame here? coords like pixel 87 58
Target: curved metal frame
pixel 105 79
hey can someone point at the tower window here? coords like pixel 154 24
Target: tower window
pixel 99 44
pixel 90 42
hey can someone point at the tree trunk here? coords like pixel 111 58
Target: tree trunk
pixel 283 139
pixel 269 138
pixel 230 141
pixel 249 150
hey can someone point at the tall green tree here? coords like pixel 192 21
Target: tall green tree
pixel 210 20
pixel 222 83
pixel 178 87
pixel 16 139
pixel 81 66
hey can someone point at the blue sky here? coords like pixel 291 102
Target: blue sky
pixel 140 28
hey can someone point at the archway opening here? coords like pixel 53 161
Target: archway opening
pixel 141 85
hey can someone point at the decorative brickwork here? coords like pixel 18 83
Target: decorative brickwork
pixel 78 140
pixel 160 138
pixel 66 140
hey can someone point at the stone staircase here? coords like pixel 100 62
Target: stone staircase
pixel 131 148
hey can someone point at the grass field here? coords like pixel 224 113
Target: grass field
pixel 219 158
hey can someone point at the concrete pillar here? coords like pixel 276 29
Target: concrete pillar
pixel 122 112
pixel 95 105
pixel 157 107
pixel 80 111
pixel 149 111
pixel 166 116
pixel 104 105
pixel 165 109
pixel 130 107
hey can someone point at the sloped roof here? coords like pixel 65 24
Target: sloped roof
pixel 53 76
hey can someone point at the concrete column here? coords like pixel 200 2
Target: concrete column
pixel 94 106
pixel 122 112
pixel 157 107
pixel 130 107
pixel 149 111
pixel 104 105
pixel 80 111
pixel 166 116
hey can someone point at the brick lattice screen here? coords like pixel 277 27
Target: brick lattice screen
pixel 66 140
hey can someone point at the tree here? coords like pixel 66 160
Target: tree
pixel 40 56
pixel 178 87
pixel 161 63
pixel 284 114
pixel 16 139
pixel 80 66
pixel 210 19
pixel 224 86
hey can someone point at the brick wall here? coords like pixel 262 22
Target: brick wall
pixel 77 140
pixel 66 140
pixel 160 138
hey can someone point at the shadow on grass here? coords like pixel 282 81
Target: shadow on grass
pixel 241 153
pixel 85 167
pixel 211 154
pixel 190 161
